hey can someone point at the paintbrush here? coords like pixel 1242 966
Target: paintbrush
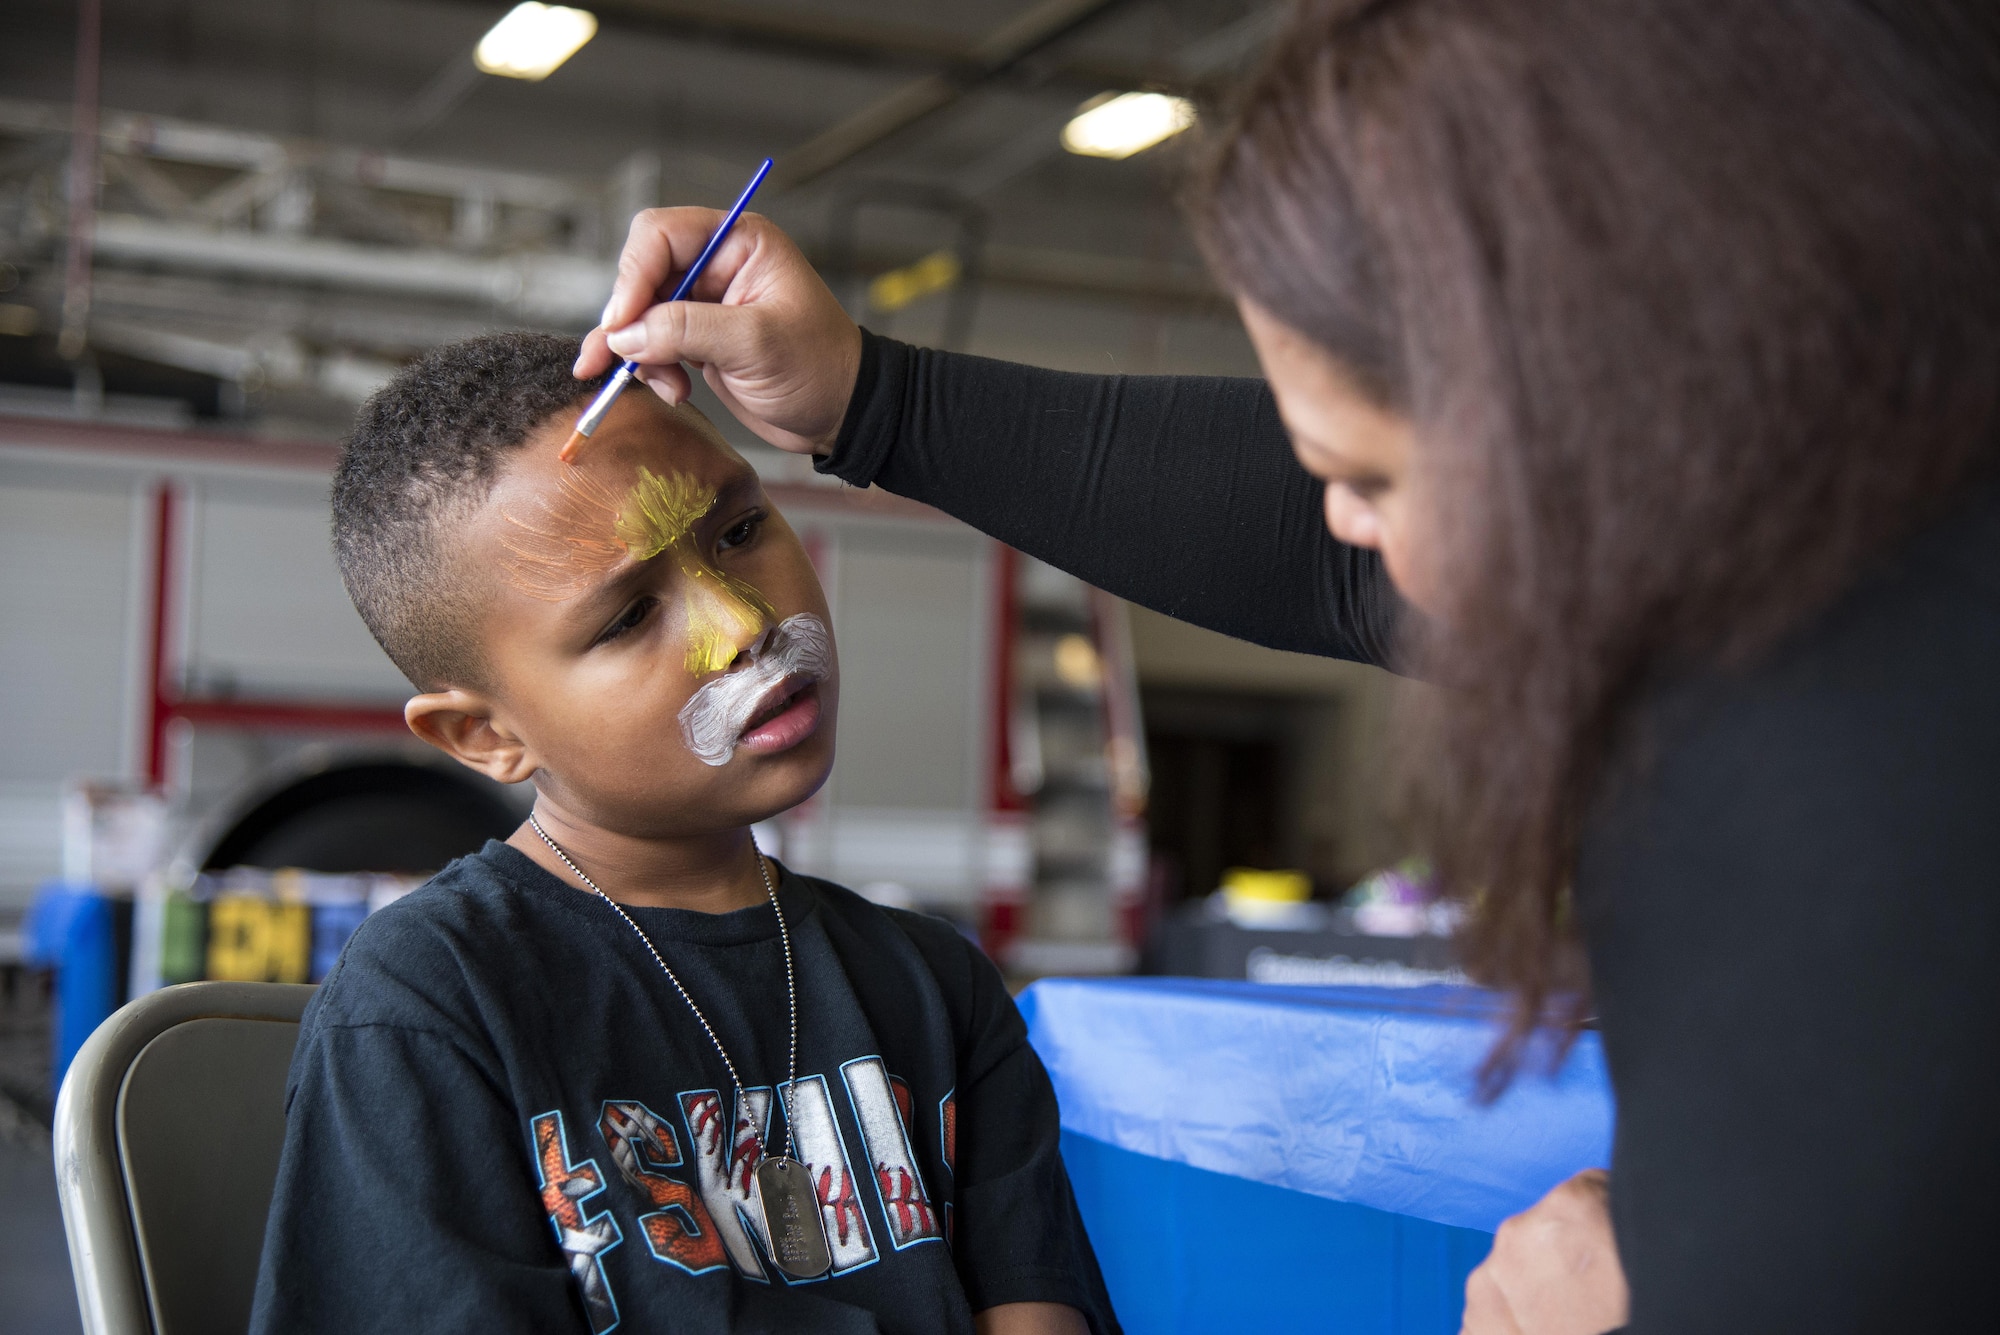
pixel 625 374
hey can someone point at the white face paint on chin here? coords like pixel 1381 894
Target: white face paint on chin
pixel 713 721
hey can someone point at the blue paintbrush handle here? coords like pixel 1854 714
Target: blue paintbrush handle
pixel 623 377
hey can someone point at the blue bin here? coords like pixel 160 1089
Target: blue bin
pixel 332 924
pixel 74 930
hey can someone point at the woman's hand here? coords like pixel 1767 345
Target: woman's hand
pixel 1553 1269
pixel 1030 1319
pixel 762 329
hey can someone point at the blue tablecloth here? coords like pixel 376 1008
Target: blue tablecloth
pixel 1292 1158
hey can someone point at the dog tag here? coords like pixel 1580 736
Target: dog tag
pixel 791 1212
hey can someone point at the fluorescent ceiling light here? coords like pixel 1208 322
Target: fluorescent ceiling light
pixel 1117 125
pixel 534 40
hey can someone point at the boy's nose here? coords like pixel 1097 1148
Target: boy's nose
pixel 726 619
pixel 758 647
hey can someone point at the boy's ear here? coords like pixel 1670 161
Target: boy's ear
pixel 461 724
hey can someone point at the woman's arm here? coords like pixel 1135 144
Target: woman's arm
pixel 1179 493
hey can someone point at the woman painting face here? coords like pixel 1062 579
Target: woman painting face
pixel 1377 495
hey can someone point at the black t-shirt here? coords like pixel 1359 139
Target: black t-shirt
pixel 502 1117
pixel 1792 904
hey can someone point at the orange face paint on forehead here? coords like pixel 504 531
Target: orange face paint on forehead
pixel 586 530
pixel 573 541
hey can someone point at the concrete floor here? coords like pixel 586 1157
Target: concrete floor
pixel 36 1296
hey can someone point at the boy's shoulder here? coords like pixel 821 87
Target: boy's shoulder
pixel 483 938
pixel 939 940
pixel 967 982
pixel 408 962
pixel 856 907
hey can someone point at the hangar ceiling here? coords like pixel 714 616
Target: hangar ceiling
pixel 296 194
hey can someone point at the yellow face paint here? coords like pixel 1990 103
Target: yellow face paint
pixel 659 512
pixel 587 530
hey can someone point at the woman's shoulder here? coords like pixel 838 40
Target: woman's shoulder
pixel 1866 745
pixel 1903 659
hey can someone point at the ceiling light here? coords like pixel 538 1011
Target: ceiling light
pixel 534 40
pixel 1117 125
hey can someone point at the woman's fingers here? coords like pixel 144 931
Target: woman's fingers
pixel 689 331
pixel 1486 1310
pixel 765 331
pixel 1554 1267
pixel 659 246
pixel 669 382
pixel 595 359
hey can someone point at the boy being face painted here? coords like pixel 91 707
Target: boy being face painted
pixel 567 542
pixel 654 637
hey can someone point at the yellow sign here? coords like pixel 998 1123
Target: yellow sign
pixel 899 287
pixel 255 940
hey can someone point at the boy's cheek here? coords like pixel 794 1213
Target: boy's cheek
pixel 628 778
pixel 611 724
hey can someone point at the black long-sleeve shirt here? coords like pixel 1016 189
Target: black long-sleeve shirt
pixel 1792 911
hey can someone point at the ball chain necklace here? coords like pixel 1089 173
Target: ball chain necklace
pixel 784 1186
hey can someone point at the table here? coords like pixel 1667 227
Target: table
pixel 1300 1158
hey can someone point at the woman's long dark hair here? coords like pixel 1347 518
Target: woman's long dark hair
pixel 1695 305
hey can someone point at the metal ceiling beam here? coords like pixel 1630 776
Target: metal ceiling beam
pixel 565 289
pixel 554 288
pixel 559 287
pixel 248 150
pixel 816 34
pixel 382 323
pixel 999 51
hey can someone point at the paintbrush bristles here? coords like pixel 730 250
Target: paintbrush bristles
pixel 572 447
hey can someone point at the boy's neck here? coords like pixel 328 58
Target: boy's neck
pixel 715 872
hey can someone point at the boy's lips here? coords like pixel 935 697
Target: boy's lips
pixel 787 716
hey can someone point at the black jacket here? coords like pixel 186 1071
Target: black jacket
pixel 1792 910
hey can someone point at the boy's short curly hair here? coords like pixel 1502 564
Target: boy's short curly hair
pixel 423 454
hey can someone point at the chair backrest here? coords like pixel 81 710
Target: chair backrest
pixel 167 1135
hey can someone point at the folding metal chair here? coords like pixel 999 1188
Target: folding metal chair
pixel 167 1135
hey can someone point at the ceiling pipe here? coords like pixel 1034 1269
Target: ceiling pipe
pixel 556 288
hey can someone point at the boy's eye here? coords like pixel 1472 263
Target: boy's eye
pixel 743 532
pixel 630 619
